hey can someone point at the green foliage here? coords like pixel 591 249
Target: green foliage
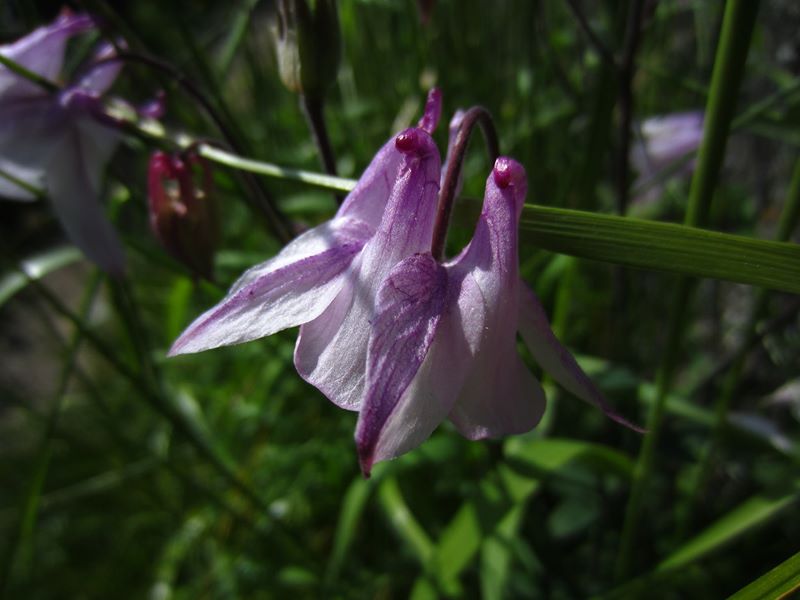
pixel 224 475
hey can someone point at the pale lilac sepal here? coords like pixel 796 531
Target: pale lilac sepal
pixel 556 360
pixel 331 350
pixel 73 184
pixel 500 395
pixel 291 289
pixel 41 51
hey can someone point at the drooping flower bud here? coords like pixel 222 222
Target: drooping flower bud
pixel 182 210
pixel 308 43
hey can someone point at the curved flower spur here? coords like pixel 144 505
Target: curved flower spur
pixel 390 331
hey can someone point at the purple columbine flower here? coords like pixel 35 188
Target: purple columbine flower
pixel 388 330
pixel 53 140
pixel 665 140
pixel 443 342
pixel 326 279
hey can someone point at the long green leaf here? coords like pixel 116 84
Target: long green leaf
pixel 752 513
pixel 665 247
pixel 780 582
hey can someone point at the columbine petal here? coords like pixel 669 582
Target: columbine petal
pixel 73 186
pixel 408 309
pixel 331 350
pixel 500 396
pixel 555 359
pixel 279 294
pixel 42 51
pixel 367 201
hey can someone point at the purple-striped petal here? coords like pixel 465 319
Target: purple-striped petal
pixel 408 309
pixel 330 234
pixel 555 359
pixel 331 350
pixel 291 289
pixel 367 201
pixel 500 396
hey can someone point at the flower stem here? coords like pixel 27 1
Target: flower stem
pixel 265 204
pixel 477 115
pixel 25 73
pixel 314 110
pixel 737 29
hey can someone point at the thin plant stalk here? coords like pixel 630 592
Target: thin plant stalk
pixel 165 408
pixel 314 111
pixel 737 28
pixel 29 508
pixel 787 224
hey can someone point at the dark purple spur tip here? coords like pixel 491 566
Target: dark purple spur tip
pixel 507 172
pixel 412 141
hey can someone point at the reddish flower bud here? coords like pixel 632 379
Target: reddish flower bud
pixel 183 214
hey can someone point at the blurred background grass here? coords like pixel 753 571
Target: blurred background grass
pixel 102 496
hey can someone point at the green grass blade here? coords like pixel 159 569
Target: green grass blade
pixel 36 267
pixel 664 247
pixel 404 522
pixel 781 582
pixel 753 513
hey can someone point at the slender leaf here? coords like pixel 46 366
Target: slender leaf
pixel 665 247
pixel 36 267
pixel 781 582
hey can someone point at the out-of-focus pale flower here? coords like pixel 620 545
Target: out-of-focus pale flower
pixel 53 140
pixel 665 140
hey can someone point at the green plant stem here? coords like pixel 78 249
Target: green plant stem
pixel 29 508
pixel 166 409
pixel 737 27
pixel 787 224
pixel 28 74
pixel 314 110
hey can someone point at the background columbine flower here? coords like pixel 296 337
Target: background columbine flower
pixel 52 141
pixel 665 140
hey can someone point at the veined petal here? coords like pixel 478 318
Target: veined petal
pixel 553 357
pixel 41 51
pixel 367 201
pixel 408 309
pixel 331 350
pixel 73 184
pixel 330 234
pixel 500 396
pixel 277 299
